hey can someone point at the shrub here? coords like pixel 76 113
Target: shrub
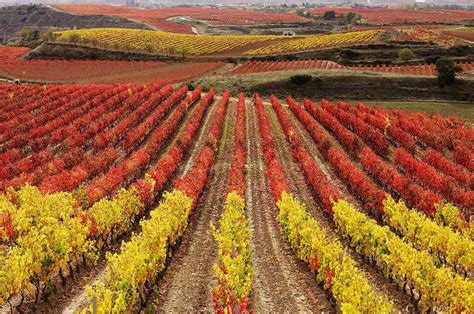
pixel 406 54
pixel 447 71
pixel 459 50
pixel 29 34
pixel 232 60
pixel 432 59
pixel 329 15
pixel 352 18
pixel 348 54
pixel 75 38
pixel 300 79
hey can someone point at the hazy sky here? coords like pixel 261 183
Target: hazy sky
pixel 177 2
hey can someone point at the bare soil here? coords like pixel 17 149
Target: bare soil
pixel 344 84
pixel 187 283
pixel 375 277
pixel 282 283
pixel 72 296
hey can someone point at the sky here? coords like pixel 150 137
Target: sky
pixel 177 2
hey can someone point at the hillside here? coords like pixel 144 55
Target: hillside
pixel 14 18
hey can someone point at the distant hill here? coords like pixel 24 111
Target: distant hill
pixel 14 18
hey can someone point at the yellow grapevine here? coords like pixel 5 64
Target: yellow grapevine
pixel 349 286
pixel 437 288
pixel 429 236
pixel 234 270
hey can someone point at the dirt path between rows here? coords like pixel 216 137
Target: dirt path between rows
pixel 297 180
pixel 281 283
pixel 72 295
pixel 187 283
pixel 77 298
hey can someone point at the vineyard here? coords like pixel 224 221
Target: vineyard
pixel 383 15
pixel 441 38
pixel 182 44
pixel 152 41
pixel 159 17
pixel 123 198
pixel 269 66
pixel 312 42
pixel 465 35
pixel 96 71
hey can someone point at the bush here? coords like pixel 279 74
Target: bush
pixel 300 79
pixel 352 18
pixel 406 54
pixel 447 71
pixel 459 50
pixel 329 15
pixel 30 34
pixel 232 60
pixel 74 38
pixel 348 54
pixel 432 59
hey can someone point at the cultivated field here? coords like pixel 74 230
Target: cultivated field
pixel 236 159
pixel 271 66
pixel 161 18
pixel 383 16
pixel 314 206
pixel 13 66
pixel 182 44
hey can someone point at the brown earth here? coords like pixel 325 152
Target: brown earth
pixel 302 191
pixel 282 283
pixel 188 281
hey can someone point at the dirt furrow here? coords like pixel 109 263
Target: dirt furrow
pixel 70 301
pixel 281 282
pixel 187 283
pixel 375 277
pixel 200 138
pixel 313 150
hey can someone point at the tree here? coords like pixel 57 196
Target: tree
pixel 149 48
pixel 329 15
pixel 406 54
pixel 171 50
pixel 352 18
pixel 447 71
pixel 183 51
pixel 29 34
pixel 301 12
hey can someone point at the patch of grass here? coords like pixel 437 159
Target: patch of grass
pixel 462 29
pixel 463 110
